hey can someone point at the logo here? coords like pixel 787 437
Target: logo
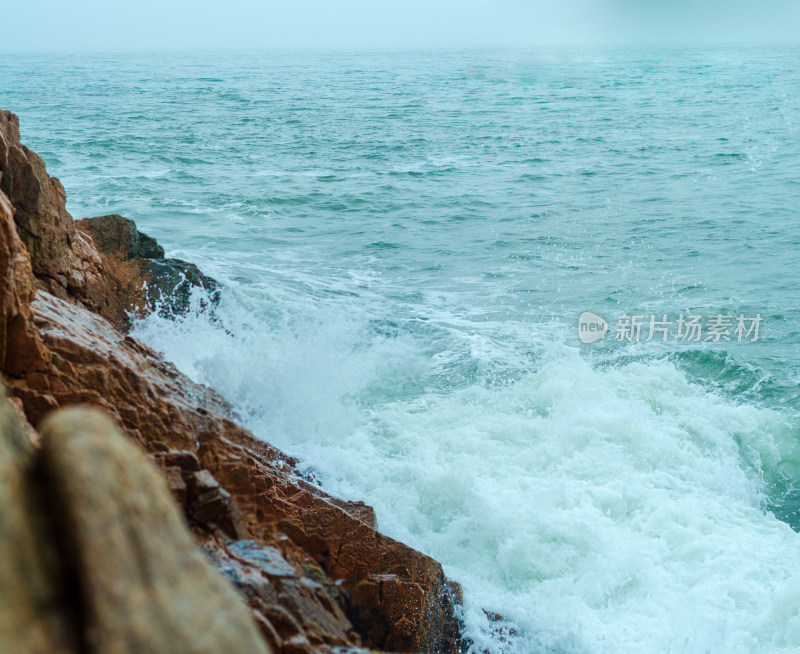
pixel 688 328
pixel 591 327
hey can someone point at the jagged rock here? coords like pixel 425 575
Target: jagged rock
pixel 169 285
pixel 64 261
pixel 208 504
pixel 402 600
pixel 21 349
pixel 116 236
pixel 149 281
pixel 185 460
pixel 294 609
pixel 176 485
pixel 145 587
pixel 95 554
pixel 15 406
pixel 96 363
pixel 359 510
pixel 418 609
pixel 44 224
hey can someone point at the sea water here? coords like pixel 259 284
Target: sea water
pixel 406 241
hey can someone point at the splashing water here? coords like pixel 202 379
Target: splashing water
pixel 596 509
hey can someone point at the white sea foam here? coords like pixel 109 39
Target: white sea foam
pixel 597 509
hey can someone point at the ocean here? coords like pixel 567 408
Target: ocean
pixel 406 241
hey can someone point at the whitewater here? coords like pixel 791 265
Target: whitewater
pixel 405 242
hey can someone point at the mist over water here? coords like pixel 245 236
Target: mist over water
pixel 92 25
pixel 406 241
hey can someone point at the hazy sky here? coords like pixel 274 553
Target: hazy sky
pixel 40 25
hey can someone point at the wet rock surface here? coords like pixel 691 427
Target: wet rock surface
pixel 150 281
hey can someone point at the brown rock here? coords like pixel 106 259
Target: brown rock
pixel 176 485
pixel 185 460
pixel 64 260
pixel 104 263
pixel 21 348
pixel 146 588
pixel 116 236
pixel 295 607
pixel 145 279
pixel 417 601
pixel 359 510
pixel 158 405
pixel 34 617
pixel 41 216
pixel 100 365
pixel 217 510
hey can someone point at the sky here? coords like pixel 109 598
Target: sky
pixel 104 25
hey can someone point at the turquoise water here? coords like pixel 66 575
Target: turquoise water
pixel 406 241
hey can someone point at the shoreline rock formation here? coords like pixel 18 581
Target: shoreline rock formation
pixel 314 571
pixel 143 276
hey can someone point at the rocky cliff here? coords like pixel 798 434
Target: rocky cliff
pixel 97 524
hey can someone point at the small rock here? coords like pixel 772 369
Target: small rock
pixel 176 484
pixel 184 459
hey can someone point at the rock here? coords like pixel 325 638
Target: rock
pixel 216 509
pixel 359 510
pixel 95 554
pixel 100 365
pixel 40 203
pixel 63 260
pixel 21 349
pixel 158 405
pixel 202 482
pixel 295 607
pixel 184 460
pixel 176 485
pixel 116 236
pixel 145 586
pixel 35 615
pixel 400 599
pixel 104 263
pixel 15 406
pixel 170 283
pixel 147 280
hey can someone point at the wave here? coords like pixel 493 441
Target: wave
pixel 585 508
